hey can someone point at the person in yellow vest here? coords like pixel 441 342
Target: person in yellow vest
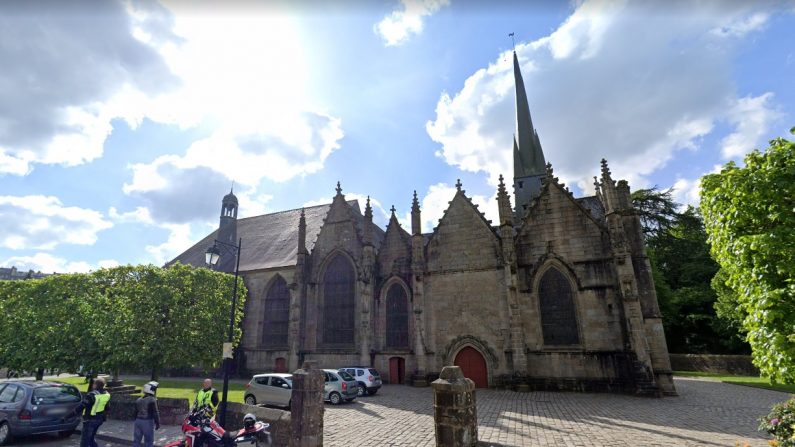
pixel 95 404
pixel 206 397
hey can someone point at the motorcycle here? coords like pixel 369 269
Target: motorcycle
pixel 200 429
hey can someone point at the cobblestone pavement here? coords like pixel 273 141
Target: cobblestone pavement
pixel 706 413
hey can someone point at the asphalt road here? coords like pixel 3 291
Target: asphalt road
pixel 55 441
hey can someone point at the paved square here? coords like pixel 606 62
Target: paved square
pixel 705 413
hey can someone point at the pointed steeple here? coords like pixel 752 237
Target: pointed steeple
pixel 528 158
pixel 416 227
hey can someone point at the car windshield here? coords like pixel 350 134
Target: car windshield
pixel 56 395
pixel 373 372
pixel 346 376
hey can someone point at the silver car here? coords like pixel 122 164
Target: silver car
pixel 339 386
pixel 269 389
pixel 368 378
pixel 33 407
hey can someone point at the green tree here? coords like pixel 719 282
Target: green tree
pixel 683 269
pixel 124 318
pixel 657 210
pixel 750 219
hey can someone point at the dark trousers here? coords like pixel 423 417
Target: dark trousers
pixel 90 427
pixel 144 429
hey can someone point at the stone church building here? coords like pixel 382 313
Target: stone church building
pixel 557 295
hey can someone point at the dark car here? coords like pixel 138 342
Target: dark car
pixel 34 407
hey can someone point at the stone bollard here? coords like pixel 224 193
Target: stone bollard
pixel 454 411
pixel 306 407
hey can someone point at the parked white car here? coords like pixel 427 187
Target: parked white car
pixel 368 378
pixel 269 389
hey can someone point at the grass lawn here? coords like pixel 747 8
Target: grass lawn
pixel 757 382
pixel 180 389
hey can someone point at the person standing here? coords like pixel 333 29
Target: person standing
pixel 94 404
pixel 147 417
pixel 206 397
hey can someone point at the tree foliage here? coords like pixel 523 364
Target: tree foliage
pixel 683 269
pixel 750 219
pixel 657 210
pixel 128 317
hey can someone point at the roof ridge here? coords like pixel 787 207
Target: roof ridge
pixel 290 210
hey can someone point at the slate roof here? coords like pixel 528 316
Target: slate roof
pixel 594 206
pixel 271 240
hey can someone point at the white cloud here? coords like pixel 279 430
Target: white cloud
pixel 401 24
pixel 263 124
pixel 56 101
pixel 742 25
pixel 138 215
pixel 238 74
pixel 687 192
pixel 48 263
pixel 596 94
pixel 178 241
pixel 43 223
pixel 752 118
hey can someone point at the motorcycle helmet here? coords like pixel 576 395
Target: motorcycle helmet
pixel 151 388
pixel 249 420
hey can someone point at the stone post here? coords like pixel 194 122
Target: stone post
pixel 306 407
pixel 454 411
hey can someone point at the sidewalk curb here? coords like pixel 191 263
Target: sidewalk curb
pixel 114 439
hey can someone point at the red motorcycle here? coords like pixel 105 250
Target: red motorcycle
pixel 200 429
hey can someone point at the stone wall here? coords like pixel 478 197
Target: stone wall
pixel 172 411
pixel 279 420
pixel 719 364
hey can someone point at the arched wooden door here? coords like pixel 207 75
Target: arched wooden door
pixel 397 370
pixel 473 365
pixel 281 365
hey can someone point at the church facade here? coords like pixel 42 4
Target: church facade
pixel 557 295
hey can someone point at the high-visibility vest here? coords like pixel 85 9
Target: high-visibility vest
pixel 100 402
pixel 205 398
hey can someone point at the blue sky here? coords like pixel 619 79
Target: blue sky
pixel 123 124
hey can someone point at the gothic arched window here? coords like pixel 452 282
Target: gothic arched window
pixel 277 314
pixel 558 316
pixel 397 318
pixel 339 284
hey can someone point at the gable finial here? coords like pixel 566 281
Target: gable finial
pixel 605 168
pixel 339 188
pixel 458 184
pixel 393 210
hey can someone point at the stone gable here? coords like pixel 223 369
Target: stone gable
pixel 464 240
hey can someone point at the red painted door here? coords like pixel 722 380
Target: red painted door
pixel 473 365
pixel 397 366
pixel 281 365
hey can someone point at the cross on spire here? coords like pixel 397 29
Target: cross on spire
pixel 458 184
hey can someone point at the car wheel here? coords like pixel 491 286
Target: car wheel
pixel 5 433
pixel 334 398
pixel 362 389
pixel 251 400
pixel 373 391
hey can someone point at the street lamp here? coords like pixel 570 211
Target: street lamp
pixel 212 256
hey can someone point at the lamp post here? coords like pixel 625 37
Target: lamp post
pixel 212 256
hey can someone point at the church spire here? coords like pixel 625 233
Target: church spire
pixel 529 166
pixel 528 158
